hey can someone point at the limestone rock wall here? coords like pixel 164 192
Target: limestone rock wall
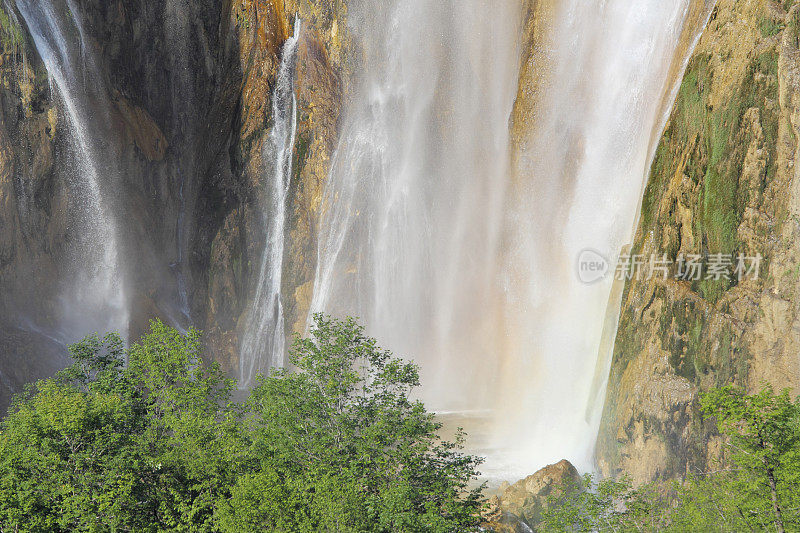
pixel 262 27
pixel 519 507
pixel 724 180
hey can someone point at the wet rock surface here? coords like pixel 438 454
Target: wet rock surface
pixel 190 87
pixel 724 180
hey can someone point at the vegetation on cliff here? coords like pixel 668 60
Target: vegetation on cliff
pixel 11 35
pixel 706 143
pixel 157 444
pixel 756 489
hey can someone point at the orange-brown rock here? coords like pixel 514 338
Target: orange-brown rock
pixel 262 27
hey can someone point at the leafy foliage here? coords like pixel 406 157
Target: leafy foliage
pixel 342 441
pixel 757 491
pixel 764 432
pixel 157 444
pixel 11 34
pixel 105 447
pixel 610 505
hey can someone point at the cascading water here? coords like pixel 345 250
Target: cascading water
pixel 582 169
pixel 414 201
pixel 414 205
pixel 450 254
pixel 464 264
pixel 176 30
pixel 94 298
pixel 263 344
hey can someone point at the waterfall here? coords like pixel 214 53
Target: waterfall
pixel 415 200
pixel 452 257
pixel 263 343
pixel 94 297
pixel 582 170
pixel 455 244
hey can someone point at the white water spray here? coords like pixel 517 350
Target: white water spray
pixel 448 259
pixel 94 299
pixel 414 205
pixel 264 344
pixel 582 169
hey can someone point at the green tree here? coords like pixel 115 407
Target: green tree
pixel 607 505
pixel 764 435
pixel 67 448
pixel 715 502
pixel 102 446
pixel 148 439
pixel 343 447
pixel 755 490
pixel 192 437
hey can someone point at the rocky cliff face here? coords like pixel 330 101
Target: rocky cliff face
pixel 32 218
pixel 190 86
pixel 724 180
pixel 151 104
pixel 236 246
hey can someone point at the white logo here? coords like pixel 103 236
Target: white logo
pixel 592 266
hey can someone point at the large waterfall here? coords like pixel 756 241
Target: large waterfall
pixel 451 224
pixel 415 198
pixel 466 264
pixel 581 170
pixel 93 298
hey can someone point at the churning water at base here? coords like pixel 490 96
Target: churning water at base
pixel 468 266
pixel 263 343
pixel 93 298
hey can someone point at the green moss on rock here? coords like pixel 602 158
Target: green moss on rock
pixel 11 33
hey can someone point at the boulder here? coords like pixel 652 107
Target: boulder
pixel 519 507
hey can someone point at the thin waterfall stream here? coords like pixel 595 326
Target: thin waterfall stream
pixel 263 345
pixel 177 30
pixel 184 131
